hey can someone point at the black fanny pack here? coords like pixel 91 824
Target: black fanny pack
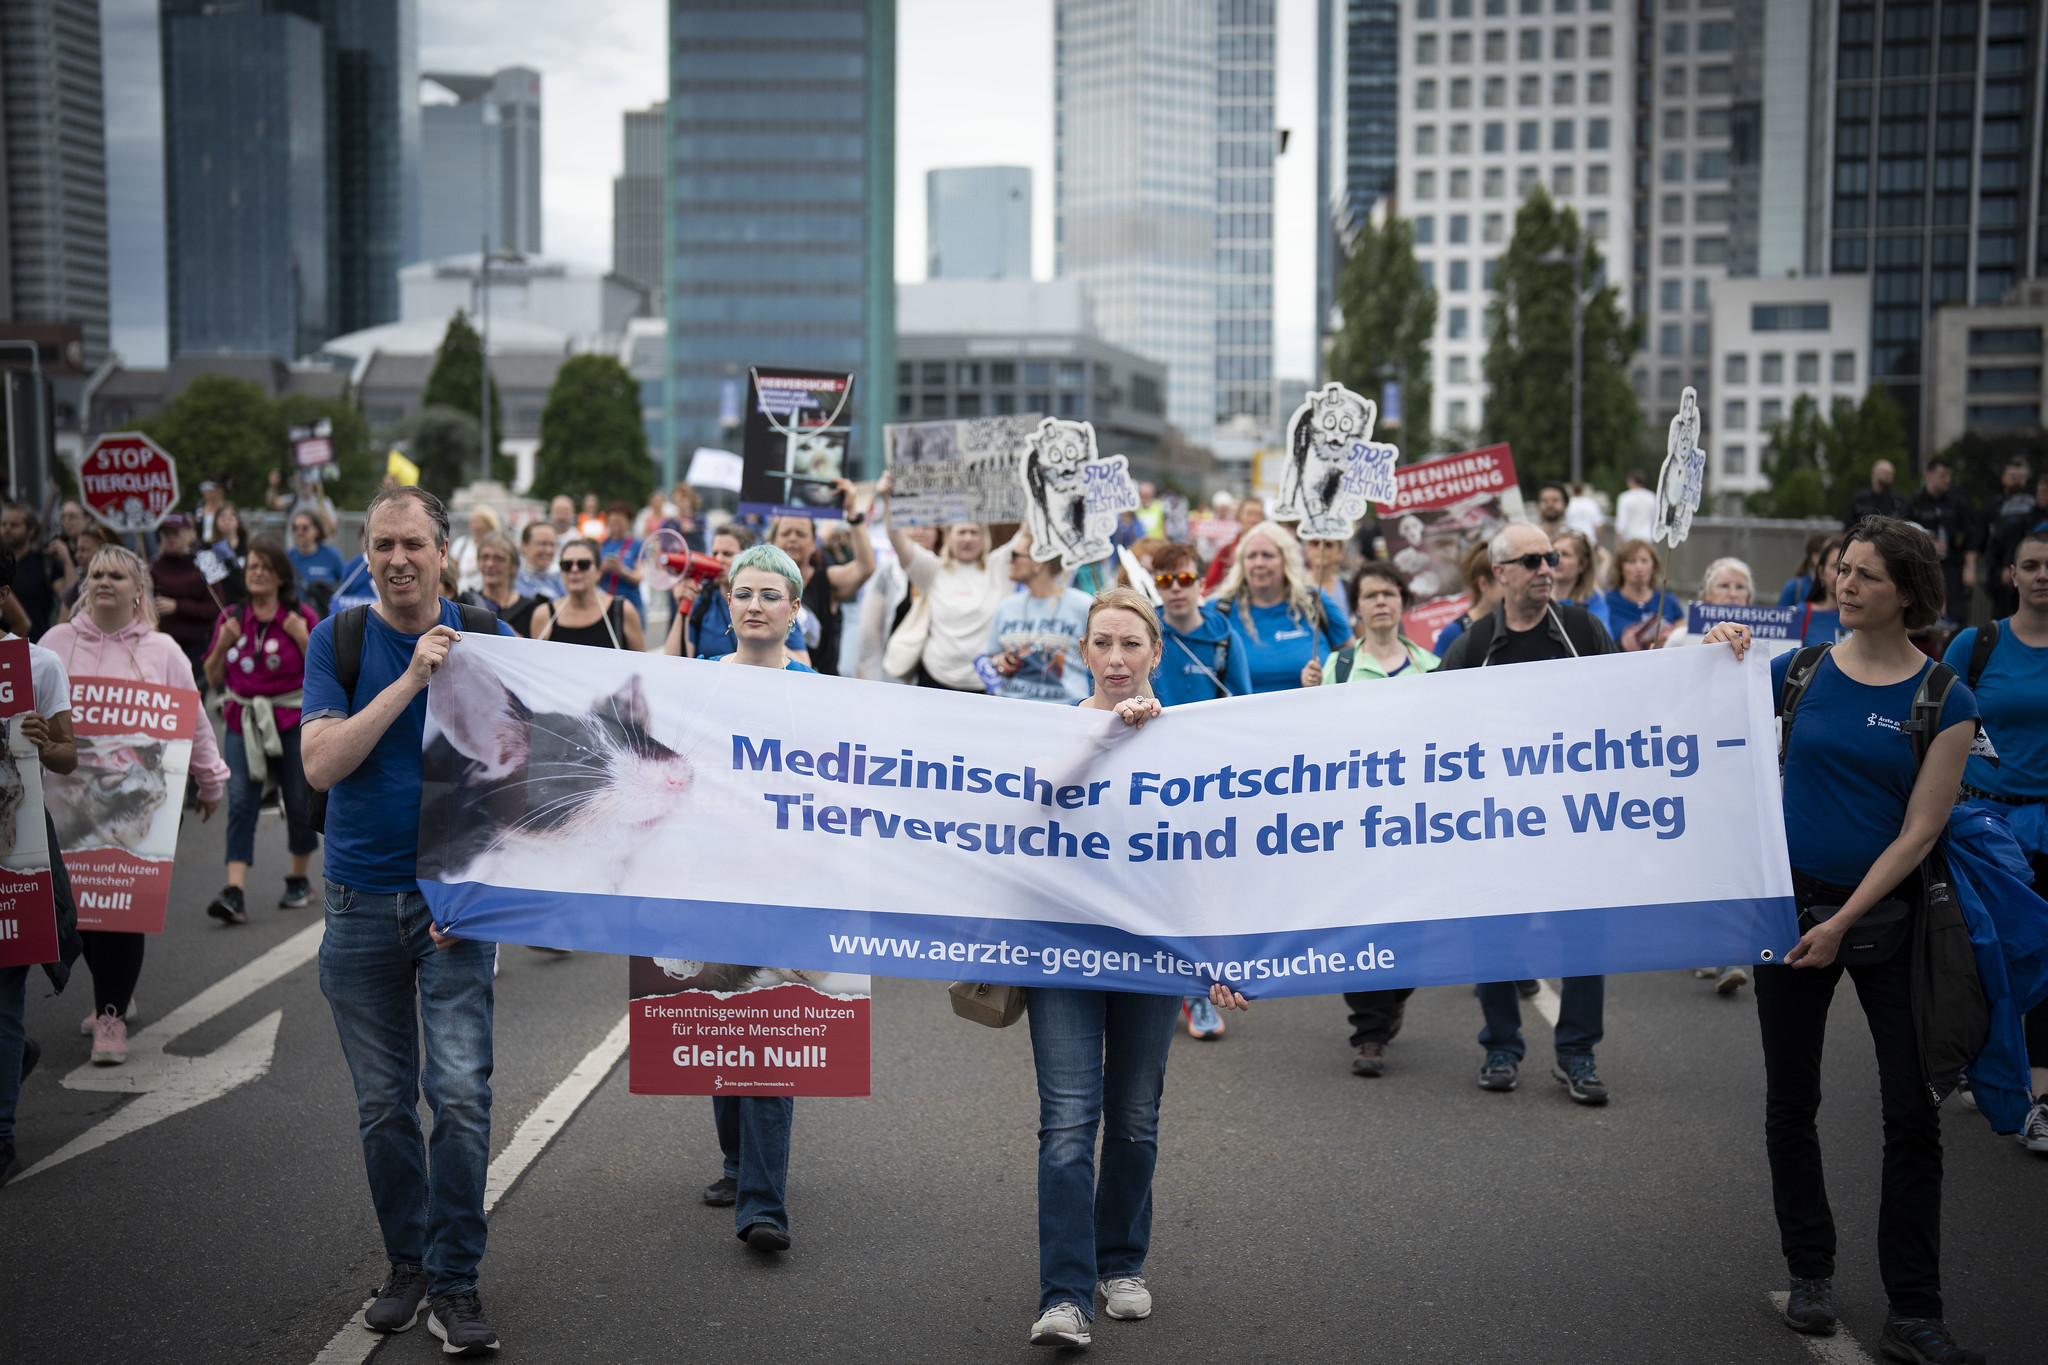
pixel 1874 938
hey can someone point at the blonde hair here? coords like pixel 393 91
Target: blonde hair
pixel 1121 598
pixel 1303 597
pixel 945 550
pixel 132 565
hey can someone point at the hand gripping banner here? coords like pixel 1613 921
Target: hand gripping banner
pixel 1609 814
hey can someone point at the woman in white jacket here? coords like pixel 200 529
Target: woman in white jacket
pixel 963 584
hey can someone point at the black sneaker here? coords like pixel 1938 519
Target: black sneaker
pixel 298 894
pixel 722 1193
pixel 765 1237
pixel 1810 1307
pixel 397 1305
pixel 1923 1341
pixel 1498 1071
pixel 229 907
pixel 1528 990
pixel 458 1319
pixel 1580 1080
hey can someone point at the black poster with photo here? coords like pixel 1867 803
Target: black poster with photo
pixel 797 426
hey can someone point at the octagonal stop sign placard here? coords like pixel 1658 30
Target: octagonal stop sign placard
pixel 129 481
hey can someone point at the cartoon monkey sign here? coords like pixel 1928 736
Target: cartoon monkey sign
pixel 1335 471
pixel 1071 494
pixel 1684 473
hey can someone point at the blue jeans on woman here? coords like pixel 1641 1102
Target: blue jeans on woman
pixel 245 797
pixel 1580 1013
pixel 377 967
pixel 753 1132
pixel 1101 1060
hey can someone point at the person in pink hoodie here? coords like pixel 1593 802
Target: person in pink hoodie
pixel 115 636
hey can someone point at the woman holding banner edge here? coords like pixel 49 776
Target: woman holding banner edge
pixel 1100 1058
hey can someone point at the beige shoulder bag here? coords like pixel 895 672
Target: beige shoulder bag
pixel 995 1006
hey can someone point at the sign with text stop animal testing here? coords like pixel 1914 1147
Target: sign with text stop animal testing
pixel 712 1028
pixel 28 917
pixel 129 481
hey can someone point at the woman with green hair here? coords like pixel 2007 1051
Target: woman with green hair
pixel 763 590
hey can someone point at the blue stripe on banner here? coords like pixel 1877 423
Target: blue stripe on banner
pixel 1631 938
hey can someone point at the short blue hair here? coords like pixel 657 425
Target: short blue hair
pixel 772 558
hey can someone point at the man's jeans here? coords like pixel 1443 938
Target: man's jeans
pixel 753 1132
pixel 1101 1058
pixel 377 964
pixel 1579 1016
pixel 13 1001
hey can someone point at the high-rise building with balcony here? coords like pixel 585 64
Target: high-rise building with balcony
pixel 782 184
pixel 977 223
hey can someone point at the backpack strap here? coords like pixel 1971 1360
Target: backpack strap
pixel 1798 677
pixel 1347 657
pixel 1928 700
pixel 1980 652
pixel 1223 666
pixel 349 629
pixel 482 620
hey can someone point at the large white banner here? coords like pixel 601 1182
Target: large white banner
pixel 1597 815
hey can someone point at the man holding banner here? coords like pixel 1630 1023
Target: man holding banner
pixel 1525 628
pixel 383 958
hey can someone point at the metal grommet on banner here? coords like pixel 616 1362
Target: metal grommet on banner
pixel 1768 955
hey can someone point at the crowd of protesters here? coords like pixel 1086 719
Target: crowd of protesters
pixel 321 664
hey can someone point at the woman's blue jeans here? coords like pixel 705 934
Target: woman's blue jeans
pixel 753 1133
pixel 245 796
pixel 1101 1060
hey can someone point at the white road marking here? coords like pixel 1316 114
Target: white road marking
pixel 1547 1000
pixel 353 1344
pixel 1839 1349
pixel 169 1084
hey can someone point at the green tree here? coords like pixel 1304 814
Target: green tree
pixel 1816 463
pixel 591 437
pixel 457 377
pixel 1389 314
pixel 443 442
pixel 1528 364
pixel 223 429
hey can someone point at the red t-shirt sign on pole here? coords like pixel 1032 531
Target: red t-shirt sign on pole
pixel 129 481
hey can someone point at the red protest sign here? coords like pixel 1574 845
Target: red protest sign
pixel 1443 508
pixel 707 1029
pixel 28 916
pixel 129 481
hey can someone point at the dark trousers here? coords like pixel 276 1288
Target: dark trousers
pixel 116 964
pixel 1376 1015
pixel 1792 1009
pixel 1957 608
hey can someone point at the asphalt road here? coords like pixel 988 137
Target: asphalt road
pixel 1301 1213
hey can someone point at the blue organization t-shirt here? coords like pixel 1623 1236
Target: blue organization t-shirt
pixel 1045 635
pixel 1280 644
pixel 373 814
pixel 357 588
pixel 1622 613
pixel 2012 695
pixel 628 554
pixel 323 565
pixel 1216 646
pixel 1795 590
pixel 715 638
pixel 1849 768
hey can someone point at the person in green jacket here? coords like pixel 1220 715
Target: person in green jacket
pixel 1380 596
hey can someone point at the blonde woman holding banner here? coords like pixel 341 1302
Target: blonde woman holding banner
pixel 1101 1063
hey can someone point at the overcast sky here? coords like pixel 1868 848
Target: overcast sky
pixel 974 87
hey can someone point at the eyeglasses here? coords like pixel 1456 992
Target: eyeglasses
pixel 770 597
pixel 1174 580
pixel 1531 561
pixel 578 565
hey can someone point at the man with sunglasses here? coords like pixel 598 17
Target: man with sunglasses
pixel 1527 627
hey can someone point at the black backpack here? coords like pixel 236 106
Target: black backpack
pixel 1950 1017
pixel 349 629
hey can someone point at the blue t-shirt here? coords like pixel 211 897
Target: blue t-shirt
pixel 1045 635
pixel 1622 613
pixel 714 637
pixel 357 588
pixel 1849 768
pixel 1795 590
pixel 373 814
pixel 2012 695
pixel 1821 626
pixel 324 565
pixel 1280 644
pixel 1182 658
pixel 1448 636
pixel 628 552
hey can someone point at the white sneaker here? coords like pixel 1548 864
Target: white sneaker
pixel 1126 1298
pixel 1731 980
pixel 2034 1133
pixel 1062 1325
pixel 85 1024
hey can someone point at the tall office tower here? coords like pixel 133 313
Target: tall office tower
pixel 349 142
pixel 978 223
pixel 783 179
pixel 54 218
pixel 636 200
pixel 1136 178
pixel 1357 124
pixel 1245 147
pixel 480 164
pixel 1685 192
pixel 249 236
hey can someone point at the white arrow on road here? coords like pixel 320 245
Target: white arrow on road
pixel 168 1084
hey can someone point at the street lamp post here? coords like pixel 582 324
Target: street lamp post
pixel 483 406
pixel 1556 256
pixel 42 464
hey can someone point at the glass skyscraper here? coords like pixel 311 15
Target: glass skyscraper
pixel 1358 88
pixel 782 189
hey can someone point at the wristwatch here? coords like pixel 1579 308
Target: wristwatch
pixel 856 518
